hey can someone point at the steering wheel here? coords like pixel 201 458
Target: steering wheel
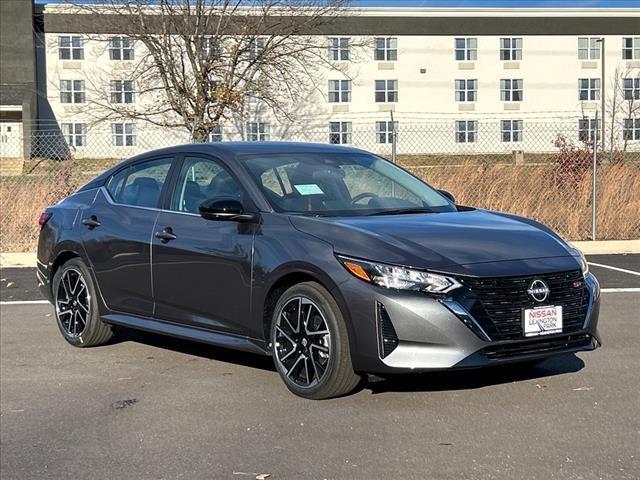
pixel 362 195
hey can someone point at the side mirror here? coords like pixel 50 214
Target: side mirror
pixel 225 209
pixel 448 195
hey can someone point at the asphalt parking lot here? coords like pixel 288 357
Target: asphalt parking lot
pixel 151 407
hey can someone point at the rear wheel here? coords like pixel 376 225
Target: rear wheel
pixel 311 343
pixel 76 306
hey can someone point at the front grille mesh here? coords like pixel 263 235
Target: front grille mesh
pixel 497 303
pixel 538 346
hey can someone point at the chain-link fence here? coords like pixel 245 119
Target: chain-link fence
pixel 542 170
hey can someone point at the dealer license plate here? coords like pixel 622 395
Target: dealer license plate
pixel 542 321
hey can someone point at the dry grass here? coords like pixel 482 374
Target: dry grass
pixel 539 192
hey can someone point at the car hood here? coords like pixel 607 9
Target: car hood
pixel 442 240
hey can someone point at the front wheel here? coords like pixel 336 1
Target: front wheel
pixel 311 344
pixel 76 306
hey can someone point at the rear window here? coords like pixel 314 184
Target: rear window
pixel 140 184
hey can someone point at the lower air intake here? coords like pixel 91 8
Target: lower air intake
pixel 387 338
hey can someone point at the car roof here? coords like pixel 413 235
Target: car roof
pixel 234 149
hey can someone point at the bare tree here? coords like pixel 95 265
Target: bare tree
pixel 202 60
pixel 623 105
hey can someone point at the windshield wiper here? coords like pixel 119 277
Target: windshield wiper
pixel 402 211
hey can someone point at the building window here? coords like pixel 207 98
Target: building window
pixel 466 90
pixel 589 89
pixel 511 90
pixel 339 91
pixel 631 48
pixel 631 88
pixel 340 133
pixel 122 91
pixel 386 91
pixel 588 129
pixel 255 47
pixel 631 129
pixel 511 48
pixel 385 131
pixel 123 134
pixel 588 48
pixel 74 134
pixel 466 131
pixel 386 49
pixel 511 130
pixel 70 47
pixel 258 132
pixel 72 91
pixel 466 48
pixel 211 49
pixel 121 48
pixel 339 49
pixel 215 134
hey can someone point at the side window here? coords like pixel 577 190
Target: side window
pixel 140 184
pixel 277 181
pixel 202 179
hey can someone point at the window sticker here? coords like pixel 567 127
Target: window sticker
pixel 308 189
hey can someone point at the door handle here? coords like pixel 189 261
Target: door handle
pixel 91 222
pixel 166 235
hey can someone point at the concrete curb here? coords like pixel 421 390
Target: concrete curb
pixel 605 247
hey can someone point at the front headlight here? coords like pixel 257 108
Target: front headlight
pixel 584 265
pixel 399 278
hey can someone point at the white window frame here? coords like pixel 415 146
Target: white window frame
pixel 510 48
pixel 466 90
pixel 387 90
pixel 75 134
pixel 631 129
pixel 215 134
pixel 466 131
pixel 73 91
pixel 339 49
pixel 340 133
pixel 588 129
pixel 385 49
pixel 121 47
pixel 122 91
pixel 339 91
pixel 258 131
pixel 631 88
pixel 631 48
pixel 588 88
pixel 123 134
pixel 467 48
pixel 385 130
pixel 588 48
pixel 74 48
pixel 511 90
pixel 255 47
pixel 511 131
pixel 211 47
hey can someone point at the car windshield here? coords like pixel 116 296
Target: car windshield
pixel 341 184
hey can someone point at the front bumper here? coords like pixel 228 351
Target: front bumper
pixel 433 334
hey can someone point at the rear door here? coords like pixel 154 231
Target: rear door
pixel 117 231
pixel 202 277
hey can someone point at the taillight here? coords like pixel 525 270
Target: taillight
pixel 44 218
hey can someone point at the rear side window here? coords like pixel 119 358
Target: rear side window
pixel 140 184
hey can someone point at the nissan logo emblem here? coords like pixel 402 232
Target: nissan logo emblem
pixel 538 290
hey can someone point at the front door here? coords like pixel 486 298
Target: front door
pixel 202 268
pixel 117 231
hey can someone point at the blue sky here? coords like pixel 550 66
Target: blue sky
pixel 482 3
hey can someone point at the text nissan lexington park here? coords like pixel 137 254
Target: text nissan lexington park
pixel 334 261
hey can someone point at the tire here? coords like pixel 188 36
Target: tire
pixel 71 304
pixel 315 361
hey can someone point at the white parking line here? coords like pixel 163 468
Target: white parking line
pixel 24 302
pixel 617 269
pixel 620 290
